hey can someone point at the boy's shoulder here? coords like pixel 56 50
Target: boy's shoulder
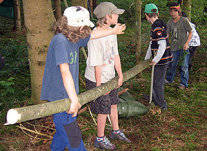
pixel 59 36
pixel 158 23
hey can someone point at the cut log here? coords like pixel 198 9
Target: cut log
pixel 32 112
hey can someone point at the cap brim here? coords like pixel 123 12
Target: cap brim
pixel 118 11
pixel 91 24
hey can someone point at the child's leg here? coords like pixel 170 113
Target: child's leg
pixel 114 117
pixel 67 133
pixel 101 123
pixel 116 133
pixel 158 86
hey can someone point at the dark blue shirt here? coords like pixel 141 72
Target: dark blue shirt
pixel 60 51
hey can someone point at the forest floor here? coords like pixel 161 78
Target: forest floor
pixel 182 127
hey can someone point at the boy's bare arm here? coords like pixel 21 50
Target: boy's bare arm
pixel 70 88
pixel 186 45
pixel 98 70
pixel 118 29
pixel 117 64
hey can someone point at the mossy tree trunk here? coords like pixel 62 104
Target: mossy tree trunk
pixel 187 8
pixel 83 3
pixel 138 30
pixel 17 15
pixel 39 19
pixel 58 13
pixel 18 115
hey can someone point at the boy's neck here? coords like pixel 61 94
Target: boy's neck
pixel 176 19
pixel 153 19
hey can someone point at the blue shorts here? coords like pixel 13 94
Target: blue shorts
pixel 67 134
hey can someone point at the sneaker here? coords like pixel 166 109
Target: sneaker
pixel 182 87
pixel 104 144
pixel 167 82
pixel 119 136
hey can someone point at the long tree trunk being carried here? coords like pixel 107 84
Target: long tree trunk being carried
pixel 23 114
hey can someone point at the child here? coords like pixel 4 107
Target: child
pixel 60 79
pixel 103 56
pixel 160 51
pixel 180 32
pixel 194 42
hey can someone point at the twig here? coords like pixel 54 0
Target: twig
pixel 35 132
pixel 92 115
pixel 123 91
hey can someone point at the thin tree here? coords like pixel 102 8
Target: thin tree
pixel 58 13
pixel 187 7
pixel 17 15
pixel 138 6
pixel 39 19
pixel 83 3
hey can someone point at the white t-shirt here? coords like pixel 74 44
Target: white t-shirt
pixel 101 51
pixel 195 40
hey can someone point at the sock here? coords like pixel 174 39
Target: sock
pixel 100 138
pixel 116 131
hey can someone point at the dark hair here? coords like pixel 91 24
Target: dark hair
pixel 71 33
pixel 172 4
pixel 154 14
pixel 184 14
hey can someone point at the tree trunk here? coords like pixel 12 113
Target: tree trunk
pixel 91 7
pixel 58 13
pixel 17 15
pixel 39 19
pixel 23 114
pixel 187 8
pixel 180 2
pixel 138 30
pixel 82 3
pixel 94 4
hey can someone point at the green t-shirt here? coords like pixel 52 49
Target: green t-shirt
pixel 178 32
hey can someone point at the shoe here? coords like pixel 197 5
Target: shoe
pixel 119 136
pixel 182 87
pixel 104 144
pixel 167 82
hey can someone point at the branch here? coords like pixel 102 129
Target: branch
pixel 32 112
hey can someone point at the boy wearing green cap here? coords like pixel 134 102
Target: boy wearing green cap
pixel 159 49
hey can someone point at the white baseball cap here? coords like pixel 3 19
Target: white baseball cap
pixel 78 16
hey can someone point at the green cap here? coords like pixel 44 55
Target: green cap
pixel 150 7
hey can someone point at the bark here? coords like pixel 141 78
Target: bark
pixel 180 2
pixel 91 6
pixel 17 15
pixel 138 30
pixel 39 19
pixel 82 3
pixel 58 13
pixel 187 8
pixel 41 110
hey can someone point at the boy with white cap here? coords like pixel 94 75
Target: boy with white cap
pixel 60 79
pixel 103 57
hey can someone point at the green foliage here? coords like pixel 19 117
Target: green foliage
pixel 7 87
pixel 16 58
pixel 199 11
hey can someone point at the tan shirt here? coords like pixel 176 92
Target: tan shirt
pixel 101 52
